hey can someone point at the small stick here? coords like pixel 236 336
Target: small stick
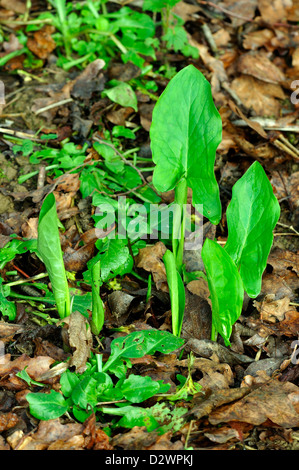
pixel 53 105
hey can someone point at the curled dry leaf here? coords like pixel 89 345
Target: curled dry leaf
pixel 80 339
pixel 272 309
pixel 150 259
pixel 274 400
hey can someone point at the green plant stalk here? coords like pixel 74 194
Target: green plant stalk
pixel 178 233
pixel 60 6
pixel 98 313
pixel 176 292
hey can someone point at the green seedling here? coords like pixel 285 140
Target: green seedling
pixel 184 143
pixel 49 250
pixel 98 312
pixel 85 393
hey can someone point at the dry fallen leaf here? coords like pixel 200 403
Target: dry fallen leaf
pixel 259 96
pixel 42 43
pixel 150 259
pixel 80 339
pixel 258 65
pixel 272 309
pixel 274 400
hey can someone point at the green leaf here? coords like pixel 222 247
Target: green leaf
pixel 133 416
pixel 7 308
pixel 140 343
pixel 49 249
pixel 84 393
pixel 226 288
pixel 68 382
pixel 185 133
pixel 251 217
pixel 98 311
pixel 115 258
pixel 176 292
pixel 137 389
pixel 122 94
pixel 158 5
pixel 45 406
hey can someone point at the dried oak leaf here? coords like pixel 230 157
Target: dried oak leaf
pixel 258 95
pixel 203 406
pixel 275 401
pixel 150 259
pixel 258 65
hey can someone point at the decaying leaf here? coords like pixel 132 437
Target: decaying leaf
pixel 80 339
pixel 150 259
pixel 274 400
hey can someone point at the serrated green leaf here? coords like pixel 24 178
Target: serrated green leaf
pixel 226 288
pixel 141 343
pixel 251 217
pixel 185 133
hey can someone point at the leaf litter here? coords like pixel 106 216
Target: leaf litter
pixel 249 399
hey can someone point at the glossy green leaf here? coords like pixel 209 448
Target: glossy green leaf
pixel 226 288
pixel 137 389
pixel 122 94
pixel 49 249
pixel 185 133
pixel 251 217
pixel 47 406
pixel 139 344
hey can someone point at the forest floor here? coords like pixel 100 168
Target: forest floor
pixel 75 122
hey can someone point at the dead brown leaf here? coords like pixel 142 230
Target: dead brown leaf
pixel 258 65
pixel 275 11
pixel 274 400
pixel 256 39
pixel 29 228
pixel 8 421
pixel 259 96
pixel 79 338
pixel 42 43
pixel 69 183
pixel 150 259
pixel 203 406
pixel 272 309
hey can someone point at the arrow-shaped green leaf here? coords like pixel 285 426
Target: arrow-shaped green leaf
pixel 251 217
pixel 185 133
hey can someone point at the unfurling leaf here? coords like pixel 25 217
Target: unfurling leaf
pixel 226 288
pixel 49 249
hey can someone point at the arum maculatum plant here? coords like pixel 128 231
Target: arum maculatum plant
pixel 185 133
